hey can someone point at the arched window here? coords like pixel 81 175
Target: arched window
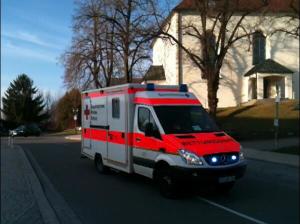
pixel 258 48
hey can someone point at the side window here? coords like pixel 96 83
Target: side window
pixel 155 128
pixel 115 108
pixel 144 117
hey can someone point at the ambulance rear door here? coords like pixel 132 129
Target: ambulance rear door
pixel 86 122
pixel 99 126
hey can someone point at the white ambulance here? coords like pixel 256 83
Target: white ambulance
pixel 161 132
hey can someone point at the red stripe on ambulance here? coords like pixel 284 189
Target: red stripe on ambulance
pixel 166 101
pixel 139 140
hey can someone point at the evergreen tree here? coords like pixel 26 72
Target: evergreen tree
pixel 22 102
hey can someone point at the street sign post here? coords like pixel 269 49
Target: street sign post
pixel 276 119
pixel 75 111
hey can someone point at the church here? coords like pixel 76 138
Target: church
pixel 255 68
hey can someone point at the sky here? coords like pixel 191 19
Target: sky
pixel 34 34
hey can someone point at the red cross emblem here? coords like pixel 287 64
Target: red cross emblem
pixel 86 112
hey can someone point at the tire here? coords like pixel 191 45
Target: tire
pixel 99 165
pixel 224 188
pixel 167 185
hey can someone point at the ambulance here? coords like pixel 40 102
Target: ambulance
pixel 158 131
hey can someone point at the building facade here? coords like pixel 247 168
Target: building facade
pixel 263 67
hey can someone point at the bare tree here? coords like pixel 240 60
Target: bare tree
pixel 111 39
pixel 290 26
pixel 221 24
pixel 48 101
pixel 134 26
pixel 90 60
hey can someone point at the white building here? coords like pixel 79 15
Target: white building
pixel 248 72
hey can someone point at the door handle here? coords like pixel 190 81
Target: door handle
pixel 163 150
pixel 138 139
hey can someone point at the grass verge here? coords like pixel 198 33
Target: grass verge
pixel 257 121
pixel 294 150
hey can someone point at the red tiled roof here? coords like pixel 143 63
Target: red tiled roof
pixel 246 5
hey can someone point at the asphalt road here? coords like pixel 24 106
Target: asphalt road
pixel 269 193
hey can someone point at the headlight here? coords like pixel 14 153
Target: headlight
pixel 241 156
pixel 189 158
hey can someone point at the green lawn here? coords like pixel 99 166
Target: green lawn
pixel 256 121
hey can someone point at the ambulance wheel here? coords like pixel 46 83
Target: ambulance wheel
pixel 166 183
pixel 99 165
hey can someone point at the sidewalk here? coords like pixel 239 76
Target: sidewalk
pixel 262 150
pixel 22 197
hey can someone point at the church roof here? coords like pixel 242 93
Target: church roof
pixel 269 66
pixel 155 72
pixel 275 6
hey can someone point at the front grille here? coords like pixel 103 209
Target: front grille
pixel 221 158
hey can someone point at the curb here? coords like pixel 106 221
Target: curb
pixel 47 212
pixel 74 137
pixel 62 210
pixel 275 157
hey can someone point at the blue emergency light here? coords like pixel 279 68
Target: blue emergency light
pixel 183 88
pixel 150 87
pixel 214 159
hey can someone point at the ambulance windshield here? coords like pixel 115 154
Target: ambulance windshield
pixel 185 119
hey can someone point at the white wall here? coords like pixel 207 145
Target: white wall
pixel 233 87
pixel 285 50
pixel 165 53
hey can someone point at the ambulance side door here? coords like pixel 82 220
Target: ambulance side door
pixel 145 148
pixel 116 143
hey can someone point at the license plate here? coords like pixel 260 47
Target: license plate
pixel 226 179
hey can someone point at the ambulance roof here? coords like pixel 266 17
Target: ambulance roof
pixel 131 86
pixel 165 98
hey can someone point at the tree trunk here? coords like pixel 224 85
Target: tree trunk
pixel 126 65
pixel 212 88
pixel 127 36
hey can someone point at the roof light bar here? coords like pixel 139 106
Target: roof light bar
pixel 150 87
pixel 183 88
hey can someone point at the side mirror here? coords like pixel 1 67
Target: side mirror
pixel 149 130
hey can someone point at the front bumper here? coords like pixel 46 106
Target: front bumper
pixel 208 175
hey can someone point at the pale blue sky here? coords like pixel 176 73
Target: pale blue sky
pixel 34 33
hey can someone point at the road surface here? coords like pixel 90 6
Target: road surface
pixel 269 193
